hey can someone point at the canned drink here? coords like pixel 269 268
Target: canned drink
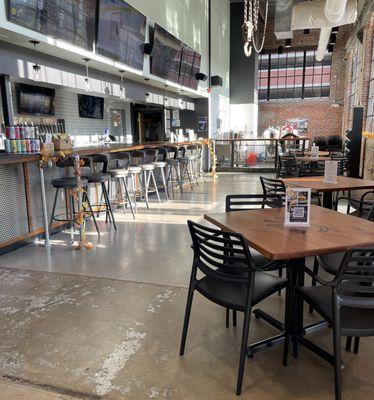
pixel 17 132
pixel 7 146
pixel 12 135
pixel 7 132
pixel 19 146
pixel 24 146
pixel 21 132
pixel 28 146
pixel 33 146
pixel 37 146
pixel 13 146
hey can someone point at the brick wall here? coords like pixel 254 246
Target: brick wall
pixel 323 119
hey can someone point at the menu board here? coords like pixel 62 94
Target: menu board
pixel 70 20
pixel 297 207
pixel 166 55
pixel 121 32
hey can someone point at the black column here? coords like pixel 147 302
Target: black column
pixel 6 96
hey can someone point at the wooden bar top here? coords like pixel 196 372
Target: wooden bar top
pixel 317 184
pixel 329 232
pixel 90 150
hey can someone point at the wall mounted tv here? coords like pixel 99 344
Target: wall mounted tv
pixel 90 106
pixel 166 55
pixel 72 20
pixel 121 32
pixel 190 66
pixel 35 100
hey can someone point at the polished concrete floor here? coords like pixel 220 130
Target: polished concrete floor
pixel 107 323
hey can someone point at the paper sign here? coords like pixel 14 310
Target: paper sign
pixel 297 207
pixel 315 151
pixel 331 172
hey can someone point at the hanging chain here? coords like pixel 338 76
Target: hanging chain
pixel 258 50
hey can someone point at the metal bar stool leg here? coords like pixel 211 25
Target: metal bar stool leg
pixel 87 199
pixel 164 183
pixel 179 177
pixel 127 194
pixel 134 191
pixel 145 187
pixel 108 205
pixel 71 198
pixel 53 210
pixel 155 183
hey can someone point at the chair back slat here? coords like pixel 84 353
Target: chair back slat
pixel 273 187
pixel 221 255
pixel 240 202
pixel 355 279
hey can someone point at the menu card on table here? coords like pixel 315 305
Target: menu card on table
pixel 331 172
pixel 315 151
pixel 297 207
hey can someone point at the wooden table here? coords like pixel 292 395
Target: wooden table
pixel 321 153
pixel 329 232
pixel 309 159
pixel 316 184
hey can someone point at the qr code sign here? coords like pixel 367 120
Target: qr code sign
pixel 299 212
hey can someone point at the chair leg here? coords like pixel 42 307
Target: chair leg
pixel 186 319
pixel 357 345
pixel 179 177
pixel 280 274
pixel 145 187
pixel 53 210
pixel 243 350
pixel 227 318
pixel 337 357
pixel 127 194
pixel 71 198
pixel 164 183
pixel 234 318
pixel 189 173
pixel 348 344
pixel 87 199
pixel 155 184
pixel 314 280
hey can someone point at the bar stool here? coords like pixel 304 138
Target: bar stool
pixel 101 178
pixel 185 162
pixel 147 174
pixel 192 151
pixel 118 170
pixel 68 184
pixel 173 168
pixel 157 158
pixel 199 160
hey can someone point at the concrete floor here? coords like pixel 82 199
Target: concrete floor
pixel 107 323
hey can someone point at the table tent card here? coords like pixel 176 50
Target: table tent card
pixel 315 151
pixel 297 207
pixel 331 172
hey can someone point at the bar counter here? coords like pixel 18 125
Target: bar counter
pixel 21 207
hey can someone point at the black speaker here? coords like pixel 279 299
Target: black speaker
pixel 216 80
pixel 353 143
pixel 201 77
pixel 147 48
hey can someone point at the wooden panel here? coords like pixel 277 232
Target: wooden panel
pixel 329 232
pixel 317 184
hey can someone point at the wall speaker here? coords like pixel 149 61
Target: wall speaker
pixel 201 77
pixel 147 48
pixel 216 80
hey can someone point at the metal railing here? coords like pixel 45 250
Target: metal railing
pixel 255 154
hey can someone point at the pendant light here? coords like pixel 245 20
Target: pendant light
pixel 36 67
pixel 166 98
pixel 122 88
pixel 87 85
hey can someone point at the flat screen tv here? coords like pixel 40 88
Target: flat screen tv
pixel 35 100
pixel 121 32
pixel 195 70
pixel 166 55
pixel 190 66
pixel 72 20
pixel 90 106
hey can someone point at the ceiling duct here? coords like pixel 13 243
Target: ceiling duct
pixel 312 15
pixel 283 19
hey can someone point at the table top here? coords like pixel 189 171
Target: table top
pixel 264 230
pixel 313 159
pixel 317 184
pixel 321 153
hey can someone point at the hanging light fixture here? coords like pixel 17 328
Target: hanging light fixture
pixel 250 26
pixel 122 89
pixel 87 85
pixel 166 98
pixel 181 101
pixel 36 67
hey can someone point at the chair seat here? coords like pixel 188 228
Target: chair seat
pixel 331 262
pixel 159 164
pixel 187 158
pixel 172 161
pixel 118 173
pixel 98 177
pixel 68 183
pixel 135 170
pixel 233 295
pixel 354 321
pixel 148 167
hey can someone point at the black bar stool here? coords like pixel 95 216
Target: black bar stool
pixel 173 168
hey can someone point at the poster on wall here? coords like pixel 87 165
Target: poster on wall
pixel 301 125
pixel 202 124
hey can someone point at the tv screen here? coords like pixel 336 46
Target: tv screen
pixel 72 21
pixel 36 100
pixel 121 32
pixel 195 70
pixel 90 106
pixel 166 55
pixel 190 66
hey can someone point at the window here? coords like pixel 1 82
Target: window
pixel 293 75
pixel 370 109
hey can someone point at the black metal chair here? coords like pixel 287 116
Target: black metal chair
pixel 230 279
pixel 242 202
pixel 346 302
pixel 273 187
pixel 287 166
pixel 361 206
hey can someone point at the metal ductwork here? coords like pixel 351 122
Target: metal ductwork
pixel 324 15
pixel 283 18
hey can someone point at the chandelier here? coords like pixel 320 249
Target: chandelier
pixel 250 26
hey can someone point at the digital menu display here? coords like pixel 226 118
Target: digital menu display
pixel 70 20
pixel 121 32
pixel 166 55
pixel 36 100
